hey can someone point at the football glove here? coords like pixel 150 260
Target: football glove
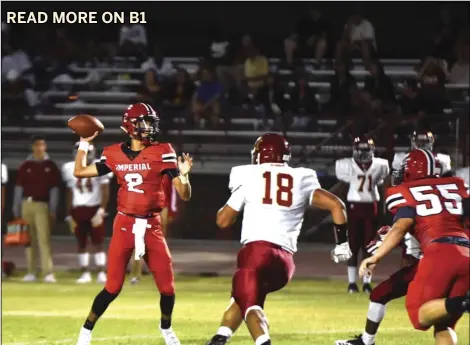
pixel 341 252
pixel 378 240
pixel 98 218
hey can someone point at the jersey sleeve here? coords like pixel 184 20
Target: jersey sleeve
pixel 384 172
pixel 396 198
pixel 343 170
pixel 4 174
pixel 237 199
pixel 65 172
pixel 310 183
pixel 168 157
pixel 236 178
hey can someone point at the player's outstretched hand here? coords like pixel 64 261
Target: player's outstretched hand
pixel 367 266
pixel 185 163
pixel 89 139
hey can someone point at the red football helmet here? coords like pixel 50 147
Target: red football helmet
pixel 422 140
pixel 140 121
pixel 91 155
pixel 363 150
pixel 419 164
pixel 271 148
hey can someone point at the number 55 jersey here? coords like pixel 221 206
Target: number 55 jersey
pixel 434 203
pixel 274 197
pixel 139 175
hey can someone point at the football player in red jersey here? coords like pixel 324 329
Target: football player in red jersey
pixel 139 167
pixel 431 208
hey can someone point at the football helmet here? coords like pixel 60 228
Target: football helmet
pixel 419 164
pixel 422 140
pixel 141 122
pixel 271 148
pixel 91 155
pixel 363 150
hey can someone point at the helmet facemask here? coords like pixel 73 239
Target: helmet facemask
pixel 363 153
pixel 422 141
pixel 145 128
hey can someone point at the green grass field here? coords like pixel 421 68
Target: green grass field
pixel 306 313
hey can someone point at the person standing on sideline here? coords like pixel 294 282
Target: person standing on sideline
pixel 36 198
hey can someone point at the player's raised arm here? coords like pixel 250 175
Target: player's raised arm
pixel 181 182
pixel 81 168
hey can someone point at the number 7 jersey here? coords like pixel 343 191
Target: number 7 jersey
pixel 436 204
pixel 140 176
pixel 274 197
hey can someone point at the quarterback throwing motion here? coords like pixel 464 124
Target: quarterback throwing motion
pixel 139 167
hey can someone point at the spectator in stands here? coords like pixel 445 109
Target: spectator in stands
pixel 206 100
pixel 14 58
pixel 133 39
pixel 309 39
pixel 378 89
pixel 459 73
pixel 259 82
pixel 178 94
pixel 19 100
pixel 344 93
pixel 358 39
pixel 222 53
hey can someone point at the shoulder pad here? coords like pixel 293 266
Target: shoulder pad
pixel 237 175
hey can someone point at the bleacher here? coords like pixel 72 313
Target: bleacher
pixel 105 92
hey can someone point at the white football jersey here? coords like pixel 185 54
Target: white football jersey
pixel 274 197
pixel 4 174
pixel 464 174
pixel 362 184
pixel 400 156
pixel 85 191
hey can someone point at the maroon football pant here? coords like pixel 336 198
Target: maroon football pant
pixel 157 255
pixel 362 228
pixel 395 286
pixel 442 272
pixel 262 267
pixel 82 216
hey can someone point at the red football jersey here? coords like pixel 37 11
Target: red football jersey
pixel 437 203
pixel 141 191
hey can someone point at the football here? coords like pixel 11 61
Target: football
pixel 85 125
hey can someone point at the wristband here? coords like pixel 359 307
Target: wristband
pixel 183 179
pixel 341 233
pixel 83 146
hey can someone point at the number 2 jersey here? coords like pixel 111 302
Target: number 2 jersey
pixel 434 203
pixel 274 198
pixel 362 182
pixel 85 191
pixel 139 175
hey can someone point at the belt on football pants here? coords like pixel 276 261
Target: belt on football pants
pixel 460 241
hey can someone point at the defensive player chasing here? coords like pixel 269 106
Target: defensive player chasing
pixel 87 199
pixel 364 173
pixel 274 197
pixel 431 208
pixel 139 167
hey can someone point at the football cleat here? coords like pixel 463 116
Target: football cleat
pixel 357 340
pixel 352 288
pixel 101 278
pixel 50 278
pixel 84 338
pixel 367 288
pixel 170 336
pixel 218 340
pixel 29 278
pixel 85 278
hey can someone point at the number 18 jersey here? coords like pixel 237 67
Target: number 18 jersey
pixel 274 197
pixel 140 176
pixel 436 204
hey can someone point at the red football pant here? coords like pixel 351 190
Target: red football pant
pixel 157 255
pixel 362 226
pixel 395 286
pixel 442 272
pixel 262 267
pixel 82 216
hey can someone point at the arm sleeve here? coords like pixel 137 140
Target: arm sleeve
pixel 404 212
pixel 237 199
pixel 342 170
pixel 395 199
pixel 53 199
pixel 169 158
pixel 172 173
pixel 102 168
pixel 310 184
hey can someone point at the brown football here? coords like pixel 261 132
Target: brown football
pixel 85 125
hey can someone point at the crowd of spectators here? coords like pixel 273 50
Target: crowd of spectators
pixel 235 72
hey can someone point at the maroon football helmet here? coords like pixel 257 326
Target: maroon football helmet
pixel 422 140
pixel 271 148
pixel 140 121
pixel 363 150
pixel 419 164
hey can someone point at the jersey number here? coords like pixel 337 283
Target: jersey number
pixel 362 180
pixel 431 203
pixel 86 187
pixel 285 183
pixel 133 180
